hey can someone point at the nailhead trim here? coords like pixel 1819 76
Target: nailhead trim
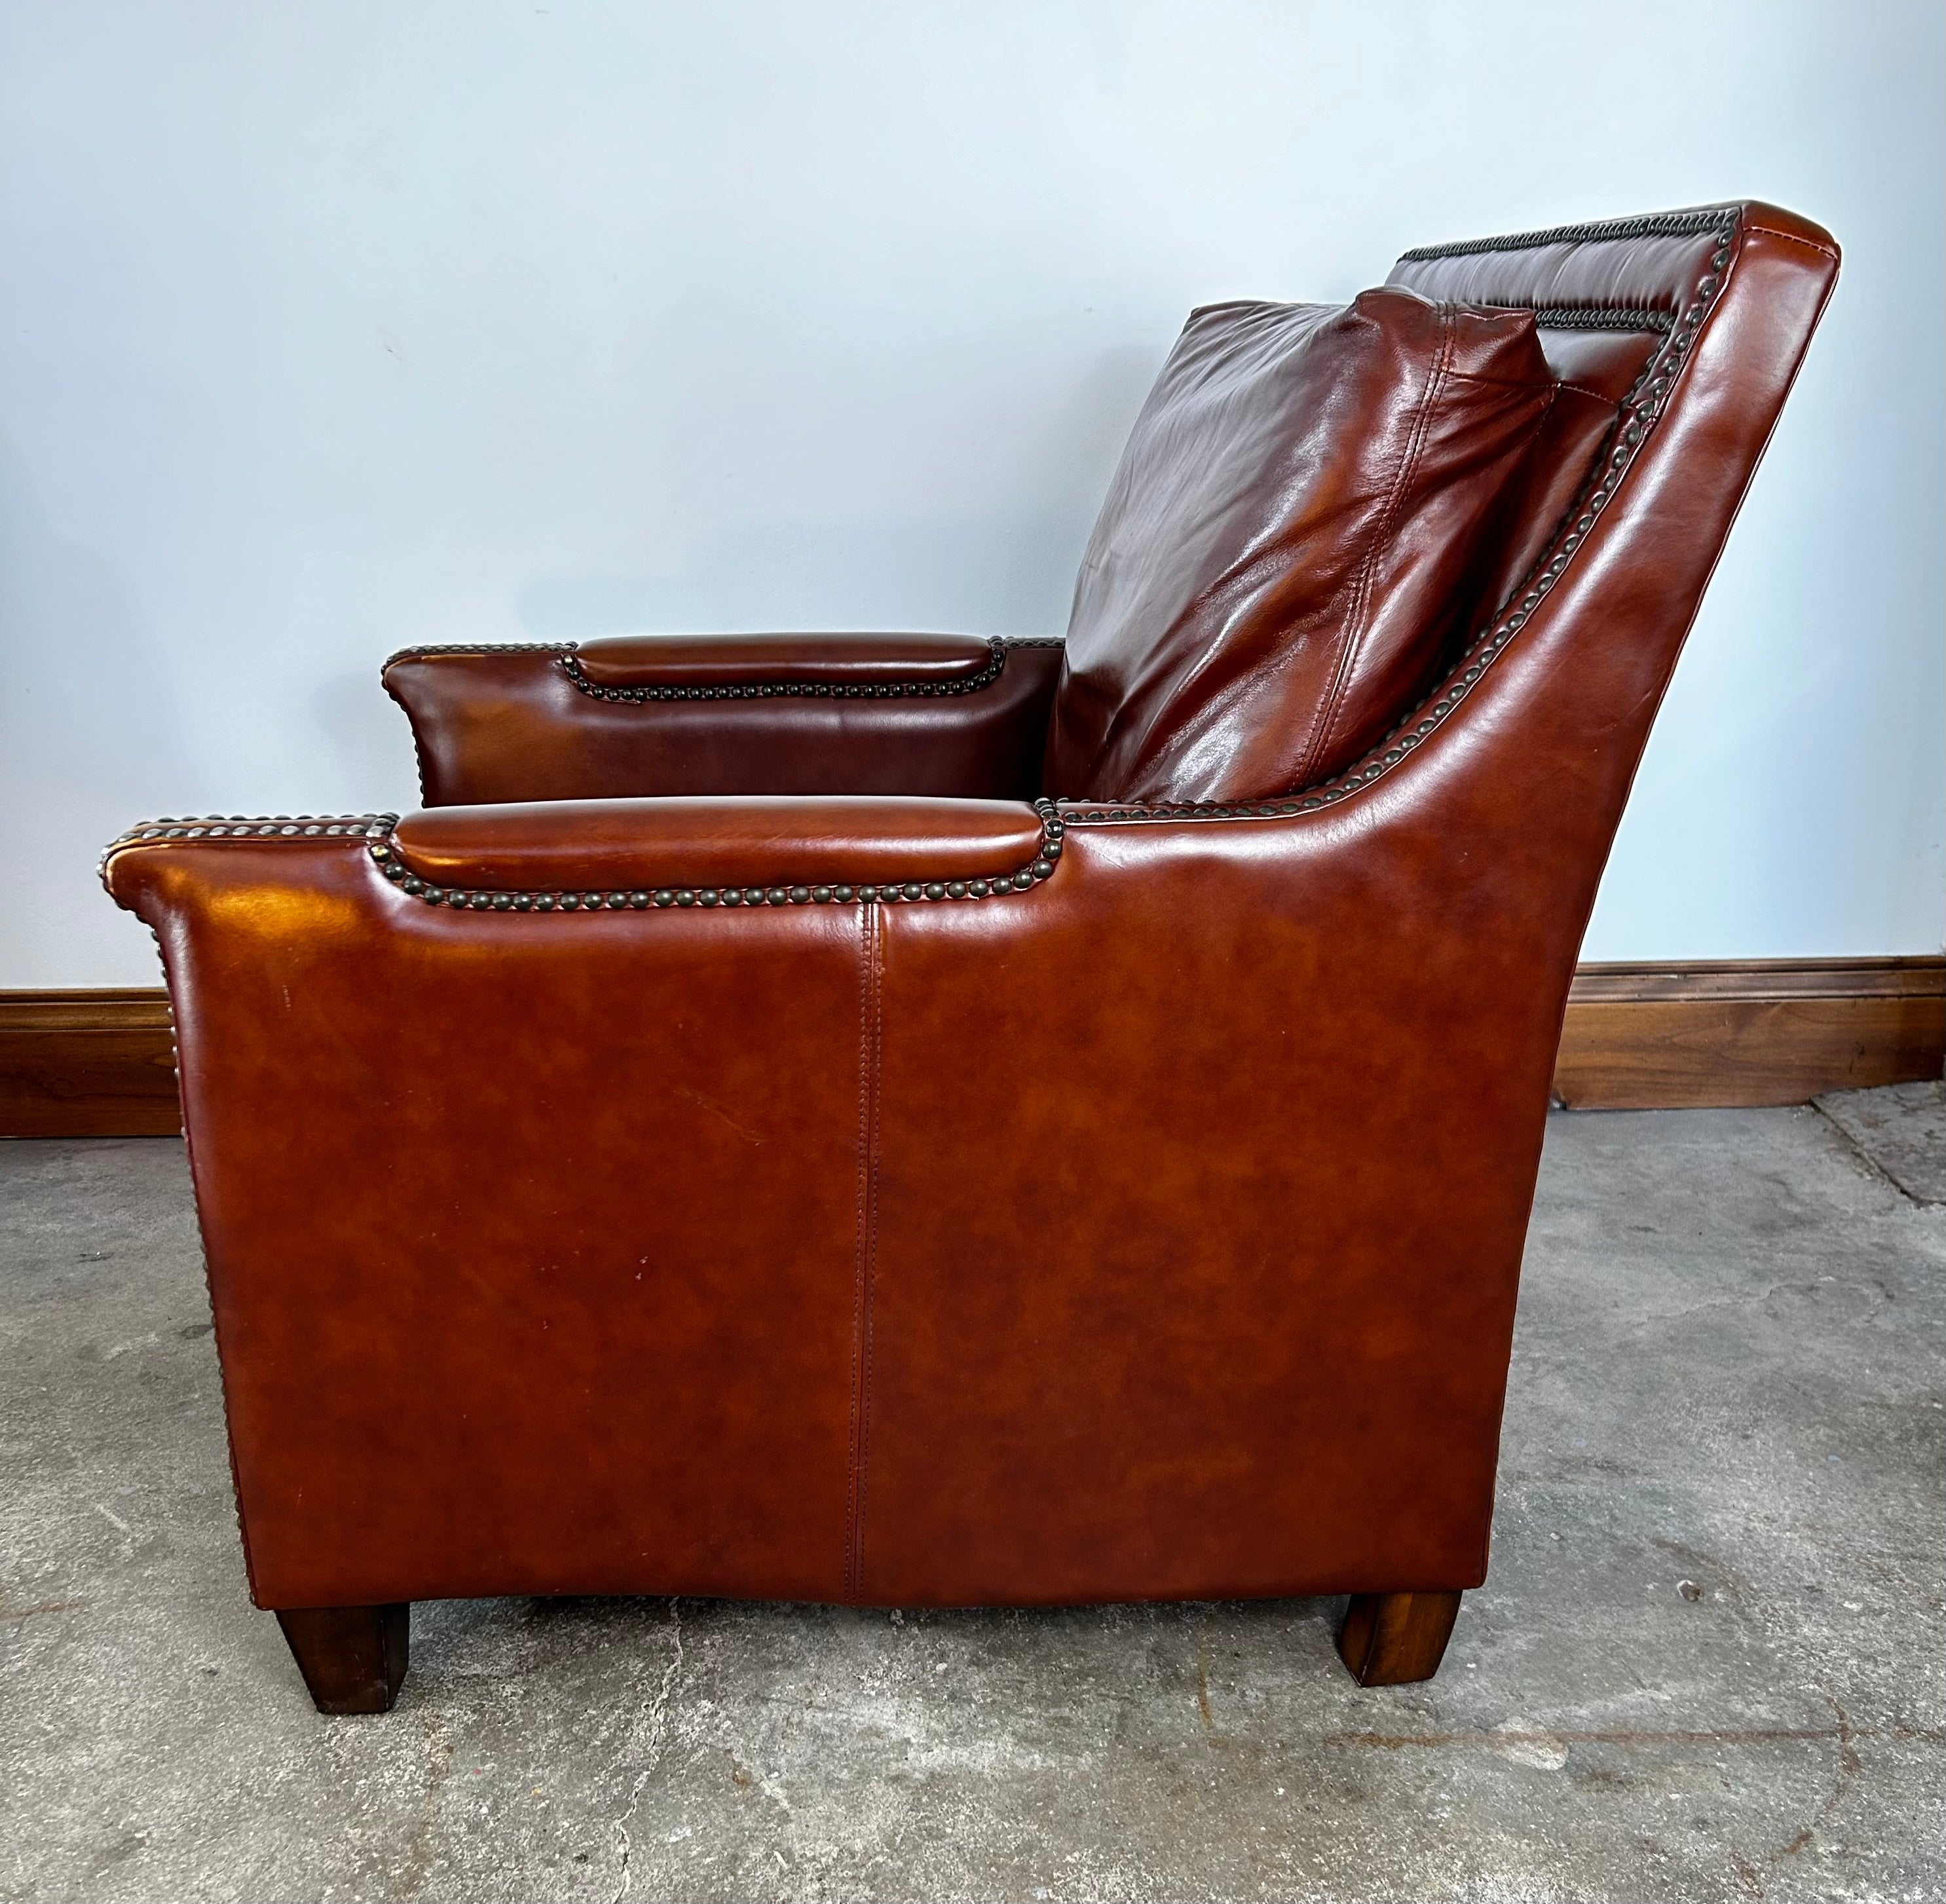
pixel 377 829
pixel 261 826
pixel 385 854
pixel 794 690
pixel 1657 224
pixel 1590 317
pixel 255 827
pixel 1641 409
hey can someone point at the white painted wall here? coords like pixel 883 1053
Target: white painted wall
pixel 327 328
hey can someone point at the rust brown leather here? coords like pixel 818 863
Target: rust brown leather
pixel 1278 568
pixel 1145 1224
pixel 625 717
pixel 758 839
pixel 896 663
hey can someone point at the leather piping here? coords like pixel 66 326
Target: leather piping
pixel 1656 224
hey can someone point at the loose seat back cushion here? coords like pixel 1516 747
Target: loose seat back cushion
pixel 1283 557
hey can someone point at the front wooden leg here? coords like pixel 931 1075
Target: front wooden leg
pixel 1394 1639
pixel 353 1658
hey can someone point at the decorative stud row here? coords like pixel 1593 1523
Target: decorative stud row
pixel 385 855
pixel 1654 224
pixel 1594 317
pixel 377 830
pixel 571 666
pixel 1641 408
pixel 286 826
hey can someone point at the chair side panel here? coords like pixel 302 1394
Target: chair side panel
pixel 1199 1219
pixel 532 1241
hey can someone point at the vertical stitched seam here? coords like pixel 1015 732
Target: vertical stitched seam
pixel 208 1273
pixel 870 1268
pixel 866 910
pixel 1355 621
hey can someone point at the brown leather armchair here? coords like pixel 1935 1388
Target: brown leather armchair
pixel 909 1120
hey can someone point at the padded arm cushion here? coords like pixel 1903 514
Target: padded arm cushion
pixel 949 715
pixel 667 845
pixel 718 661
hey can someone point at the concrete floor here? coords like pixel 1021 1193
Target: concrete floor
pixel 1710 1662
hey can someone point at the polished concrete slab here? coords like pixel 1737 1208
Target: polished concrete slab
pixel 1710 1661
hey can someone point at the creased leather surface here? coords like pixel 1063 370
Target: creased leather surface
pixel 1152 1232
pixel 509 725
pixel 1277 568
pixel 756 841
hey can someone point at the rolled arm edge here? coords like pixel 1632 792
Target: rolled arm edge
pixel 613 856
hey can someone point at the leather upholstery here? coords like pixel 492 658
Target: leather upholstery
pixel 751 841
pixel 875 714
pixel 1278 568
pixel 718 660
pixel 1149 1229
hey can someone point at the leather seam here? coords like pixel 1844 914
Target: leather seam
pixel 876 965
pixel 1327 714
pixel 1584 389
pixel 1792 238
pixel 209 1287
pixel 867 922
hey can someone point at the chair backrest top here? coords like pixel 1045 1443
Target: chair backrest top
pixel 1615 305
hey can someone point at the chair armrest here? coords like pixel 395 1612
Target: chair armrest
pixel 627 716
pixel 740 849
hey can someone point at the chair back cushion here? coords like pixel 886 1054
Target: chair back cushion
pixel 1283 556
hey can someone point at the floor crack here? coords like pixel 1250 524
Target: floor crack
pixel 655 1724
pixel 1872 1167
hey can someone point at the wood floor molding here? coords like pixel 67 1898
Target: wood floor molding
pixel 1748 1031
pixel 87 1064
pixel 99 1064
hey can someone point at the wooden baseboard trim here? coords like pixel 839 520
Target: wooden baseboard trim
pixel 102 1064
pixel 87 1064
pixel 1747 1032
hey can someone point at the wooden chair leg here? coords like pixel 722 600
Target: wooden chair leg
pixel 1394 1639
pixel 353 1658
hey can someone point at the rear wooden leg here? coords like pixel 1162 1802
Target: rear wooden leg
pixel 1393 1639
pixel 353 1658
